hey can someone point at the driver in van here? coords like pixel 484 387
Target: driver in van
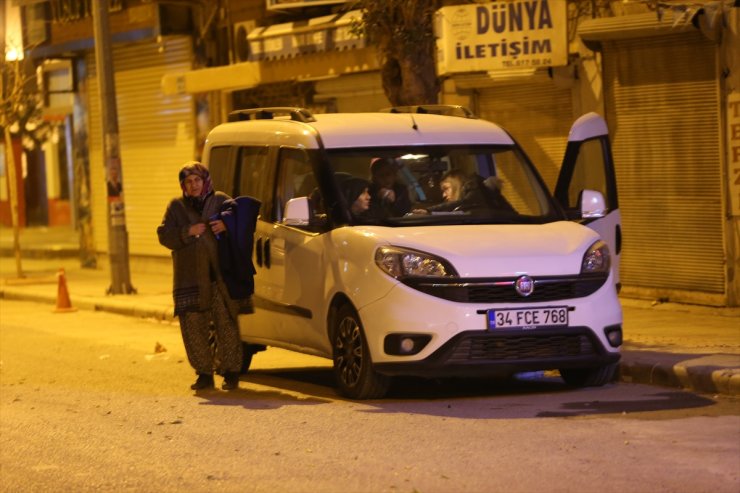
pixel 451 186
pixel 468 193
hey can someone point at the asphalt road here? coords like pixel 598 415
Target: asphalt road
pixel 88 404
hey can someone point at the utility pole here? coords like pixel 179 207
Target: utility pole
pixel 117 234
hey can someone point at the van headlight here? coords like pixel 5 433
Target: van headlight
pixel 596 258
pixel 401 262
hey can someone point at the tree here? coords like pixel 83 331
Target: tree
pixel 403 32
pixel 20 117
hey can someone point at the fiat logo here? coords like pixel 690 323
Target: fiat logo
pixel 524 285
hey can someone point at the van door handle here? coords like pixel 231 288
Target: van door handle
pixel 267 253
pixel 258 251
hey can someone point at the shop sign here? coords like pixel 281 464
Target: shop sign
pixel 502 35
pixel 733 127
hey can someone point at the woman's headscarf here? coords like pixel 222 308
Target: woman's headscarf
pixel 195 168
pixel 353 188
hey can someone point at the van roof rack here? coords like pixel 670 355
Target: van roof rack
pixel 435 109
pixel 296 114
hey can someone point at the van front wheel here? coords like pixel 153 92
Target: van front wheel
pixel 353 368
pixel 589 377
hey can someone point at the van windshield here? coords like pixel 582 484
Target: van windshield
pixel 444 185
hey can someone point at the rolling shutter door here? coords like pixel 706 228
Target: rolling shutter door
pixel 156 137
pixel 662 97
pixel 538 115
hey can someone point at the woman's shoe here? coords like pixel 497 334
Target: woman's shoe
pixel 204 381
pixel 231 381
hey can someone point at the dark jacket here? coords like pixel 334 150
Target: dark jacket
pixel 381 208
pixel 235 248
pixel 195 263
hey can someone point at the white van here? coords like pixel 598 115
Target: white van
pixel 476 270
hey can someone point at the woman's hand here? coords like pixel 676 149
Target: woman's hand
pixel 217 226
pixel 387 195
pixel 197 229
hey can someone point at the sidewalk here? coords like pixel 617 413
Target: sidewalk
pixel 667 344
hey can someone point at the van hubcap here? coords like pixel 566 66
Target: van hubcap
pixel 348 351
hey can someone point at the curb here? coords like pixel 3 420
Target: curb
pixel 704 373
pixel 140 309
pixel 46 252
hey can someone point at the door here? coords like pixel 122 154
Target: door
pixel 588 165
pixel 289 288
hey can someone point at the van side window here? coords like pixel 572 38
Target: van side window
pixel 589 173
pixel 254 176
pixel 221 169
pixel 296 178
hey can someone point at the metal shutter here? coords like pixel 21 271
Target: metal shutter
pixel 538 115
pixel 662 97
pixel 156 135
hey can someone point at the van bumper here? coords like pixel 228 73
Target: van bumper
pixel 487 353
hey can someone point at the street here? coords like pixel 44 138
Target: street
pixel 93 401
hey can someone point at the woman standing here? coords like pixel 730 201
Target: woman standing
pixel 200 295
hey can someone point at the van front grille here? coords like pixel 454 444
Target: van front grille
pixel 501 290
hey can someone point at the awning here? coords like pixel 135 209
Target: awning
pixel 247 75
pixel 594 31
pixel 243 75
pixel 326 33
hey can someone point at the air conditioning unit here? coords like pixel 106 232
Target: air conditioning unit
pixel 241 45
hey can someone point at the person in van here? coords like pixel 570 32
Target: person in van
pixel 388 196
pixel 470 194
pixel 357 195
pixel 451 184
pixel 199 292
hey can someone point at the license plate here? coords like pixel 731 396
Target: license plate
pixel 529 318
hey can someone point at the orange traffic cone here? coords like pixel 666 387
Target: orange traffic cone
pixel 63 303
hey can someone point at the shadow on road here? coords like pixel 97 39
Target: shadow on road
pixel 535 395
pixel 256 399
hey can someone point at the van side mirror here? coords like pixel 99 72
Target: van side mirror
pixel 297 212
pixel 593 205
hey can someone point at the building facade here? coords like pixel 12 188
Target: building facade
pixel 666 80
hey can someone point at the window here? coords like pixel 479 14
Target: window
pixel 589 173
pixel 255 176
pixel 221 169
pixel 296 178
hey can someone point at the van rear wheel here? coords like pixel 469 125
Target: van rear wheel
pixel 353 368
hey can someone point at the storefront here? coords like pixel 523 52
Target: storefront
pixel 157 136
pixel 664 83
pixel 663 93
